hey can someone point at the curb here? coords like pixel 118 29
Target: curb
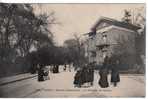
pixel 5 83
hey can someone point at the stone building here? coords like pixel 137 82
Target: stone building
pixel 110 37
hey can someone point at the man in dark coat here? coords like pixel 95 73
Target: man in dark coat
pixel 115 78
pixel 84 75
pixel 91 74
pixel 103 82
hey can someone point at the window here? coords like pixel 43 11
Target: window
pixel 105 38
pixel 93 54
pixel 104 53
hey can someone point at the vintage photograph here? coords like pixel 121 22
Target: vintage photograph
pixel 72 50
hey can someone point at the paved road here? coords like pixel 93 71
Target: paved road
pixel 61 85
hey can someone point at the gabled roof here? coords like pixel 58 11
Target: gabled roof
pixel 116 23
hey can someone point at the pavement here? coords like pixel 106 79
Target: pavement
pixel 61 85
pixel 16 78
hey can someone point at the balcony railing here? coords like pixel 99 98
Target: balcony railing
pixel 102 43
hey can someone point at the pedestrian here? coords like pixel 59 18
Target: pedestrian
pixel 92 75
pixel 46 73
pixel 115 77
pixel 87 75
pixel 55 69
pixel 78 78
pixel 64 67
pixel 103 81
pixel 40 74
pixel 69 68
pixel 51 69
pixel 84 75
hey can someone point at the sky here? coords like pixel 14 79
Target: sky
pixel 79 18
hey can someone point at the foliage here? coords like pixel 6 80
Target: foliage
pixel 20 29
pixel 127 16
pixel 76 51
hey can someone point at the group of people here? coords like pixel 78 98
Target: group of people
pixel 109 65
pixel 86 74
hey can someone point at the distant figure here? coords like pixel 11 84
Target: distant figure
pixel 46 73
pixel 51 69
pixel 115 78
pixel 40 74
pixel 64 67
pixel 55 69
pixel 69 68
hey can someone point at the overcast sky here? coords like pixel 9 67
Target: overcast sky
pixel 79 18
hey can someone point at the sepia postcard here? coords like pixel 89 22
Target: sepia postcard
pixel 72 50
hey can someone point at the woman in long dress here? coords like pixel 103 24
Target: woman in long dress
pixel 103 81
pixel 115 78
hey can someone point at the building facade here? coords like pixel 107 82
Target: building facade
pixel 110 37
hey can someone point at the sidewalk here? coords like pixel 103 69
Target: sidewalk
pixel 12 79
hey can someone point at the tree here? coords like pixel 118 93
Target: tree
pixel 75 51
pixel 127 16
pixel 138 18
pixel 125 51
pixel 21 29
